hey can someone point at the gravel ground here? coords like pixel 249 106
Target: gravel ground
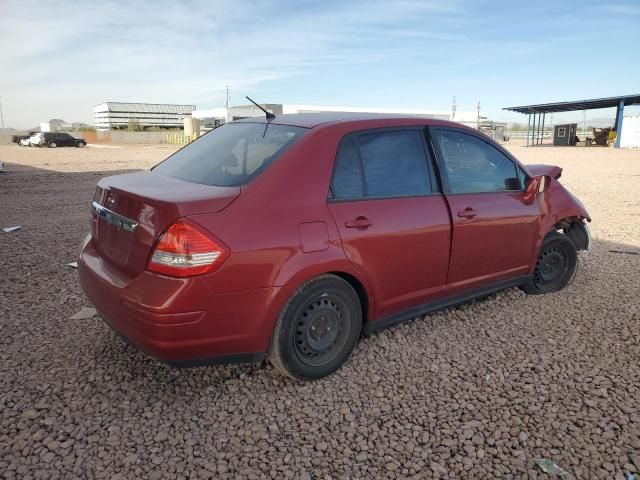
pixel 475 392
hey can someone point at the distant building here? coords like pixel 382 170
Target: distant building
pixel 120 115
pixel 218 115
pixel 211 117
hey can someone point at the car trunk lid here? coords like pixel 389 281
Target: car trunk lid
pixel 130 211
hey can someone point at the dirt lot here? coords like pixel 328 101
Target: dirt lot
pixel 476 392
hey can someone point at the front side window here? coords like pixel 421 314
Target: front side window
pixel 474 166
pixel 230 155
pixel 381 164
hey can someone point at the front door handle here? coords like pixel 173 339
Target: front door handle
pixel 467 213
pixel 359 222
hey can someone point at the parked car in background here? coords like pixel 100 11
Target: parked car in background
pixel 290 237
pixel 61 139
pixel 19 138
pixel 31 141
pixel 52 140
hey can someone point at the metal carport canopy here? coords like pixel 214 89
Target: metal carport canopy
pixel 608 102
pixel 542 109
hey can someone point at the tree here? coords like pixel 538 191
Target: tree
pixel 134 125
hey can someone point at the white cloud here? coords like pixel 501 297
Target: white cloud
pixel 60 58
pixel 70 56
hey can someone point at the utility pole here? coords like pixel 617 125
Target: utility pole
pixel 478 121
pixel 454 106
pixel 1 114
pixel 226 102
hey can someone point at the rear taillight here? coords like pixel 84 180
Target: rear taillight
pixel 185 249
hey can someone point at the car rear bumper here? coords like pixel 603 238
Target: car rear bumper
pixel 178 321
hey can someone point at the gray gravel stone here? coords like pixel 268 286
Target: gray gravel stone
pixel 84 313
pixel 473 392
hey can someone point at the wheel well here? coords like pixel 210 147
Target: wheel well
pixel 360 290
pixel 576 230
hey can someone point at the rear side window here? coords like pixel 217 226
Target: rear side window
pixel 474 166
pixel 347 178
pixel 382 164
pixel 230 155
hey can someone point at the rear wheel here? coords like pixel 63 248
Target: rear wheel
pixel 52 144
pixel 317 330
pixel 555 267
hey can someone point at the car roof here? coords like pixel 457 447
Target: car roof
pixel 311 120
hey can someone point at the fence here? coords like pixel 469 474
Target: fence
pixel 180 138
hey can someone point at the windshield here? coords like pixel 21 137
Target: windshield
pixel 230 155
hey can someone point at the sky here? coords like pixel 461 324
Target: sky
pixel 58 59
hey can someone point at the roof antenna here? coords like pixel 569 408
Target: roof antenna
pixel 270 116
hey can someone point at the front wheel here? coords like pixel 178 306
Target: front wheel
pixel 317 330
pixel 80 144
pixel 555 267
pixel 52 144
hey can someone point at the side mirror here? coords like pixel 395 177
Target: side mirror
pixel 535 185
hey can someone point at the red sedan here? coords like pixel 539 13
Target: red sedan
pixel 290 237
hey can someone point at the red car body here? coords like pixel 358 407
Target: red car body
pixel 404 255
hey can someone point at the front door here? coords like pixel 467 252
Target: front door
pixel 494 231
pixel 393 222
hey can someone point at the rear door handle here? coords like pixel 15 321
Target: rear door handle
pixel 359 222
pixel 467 213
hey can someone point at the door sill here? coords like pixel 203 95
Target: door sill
pixel 395 318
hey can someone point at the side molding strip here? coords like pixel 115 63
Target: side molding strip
pixel 385 322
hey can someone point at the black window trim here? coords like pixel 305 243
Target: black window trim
pixel 428 156
pixel 446 187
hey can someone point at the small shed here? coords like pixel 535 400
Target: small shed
pixel 565 134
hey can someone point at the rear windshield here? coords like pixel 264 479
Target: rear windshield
pixel 230 155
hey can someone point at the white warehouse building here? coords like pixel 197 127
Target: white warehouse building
pixel 218 115
pixel 119 114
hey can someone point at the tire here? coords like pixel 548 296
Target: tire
pixel 317 329
pixel 52 144
pixel 80 144
pixel 555 267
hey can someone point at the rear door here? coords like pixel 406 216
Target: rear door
pixel 393 221
pixel 494 231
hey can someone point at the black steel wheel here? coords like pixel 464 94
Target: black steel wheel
pixel 556 265
pixel 318 329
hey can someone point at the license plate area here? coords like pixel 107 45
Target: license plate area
pixel 112 232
